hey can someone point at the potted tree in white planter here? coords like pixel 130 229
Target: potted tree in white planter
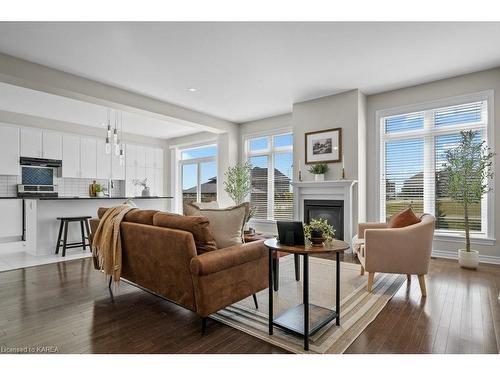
pixel 469 172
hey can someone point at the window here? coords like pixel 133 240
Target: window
pixel 271 157
pixel 413 155
pixel 198 170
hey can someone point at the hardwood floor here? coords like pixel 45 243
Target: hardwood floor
pixel 68 305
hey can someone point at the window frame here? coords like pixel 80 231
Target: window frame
pixel 270 152
pixel 198 161
pixel 487 235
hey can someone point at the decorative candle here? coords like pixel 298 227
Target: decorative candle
pixel 343 161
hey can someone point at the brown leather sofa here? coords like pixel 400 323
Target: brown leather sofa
pixel 165 261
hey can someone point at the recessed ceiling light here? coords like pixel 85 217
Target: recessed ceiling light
pixel 192 89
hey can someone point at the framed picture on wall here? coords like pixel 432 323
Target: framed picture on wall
pixel 324 146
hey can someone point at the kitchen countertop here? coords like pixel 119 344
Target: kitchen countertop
pixel 97 198
pixel 77 198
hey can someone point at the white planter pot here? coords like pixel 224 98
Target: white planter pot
pixel 468 259
pixel 319 177
pixel 100 194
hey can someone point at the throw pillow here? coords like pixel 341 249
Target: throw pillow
pixel 403 219
pixel 226 223
pixel 198 226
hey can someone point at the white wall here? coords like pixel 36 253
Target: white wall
pixel 466 84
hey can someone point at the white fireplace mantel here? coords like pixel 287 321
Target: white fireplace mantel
pixel 327 190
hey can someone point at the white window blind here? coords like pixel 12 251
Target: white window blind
pixel 271 157
pixel 413 155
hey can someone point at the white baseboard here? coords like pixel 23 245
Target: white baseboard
pixel 454 255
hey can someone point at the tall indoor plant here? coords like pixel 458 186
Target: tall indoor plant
pixel 238 184
pixel 469 171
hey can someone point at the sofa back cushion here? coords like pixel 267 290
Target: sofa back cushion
pixel 198 226
pixel 133 216
pixel 403 219
pixel 226 223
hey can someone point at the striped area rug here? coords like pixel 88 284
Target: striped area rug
pixel 358 307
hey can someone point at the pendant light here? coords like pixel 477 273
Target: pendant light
pixel 122 153
pixel 108 134
pixel 115 136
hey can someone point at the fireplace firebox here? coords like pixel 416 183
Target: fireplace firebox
pixel 331 210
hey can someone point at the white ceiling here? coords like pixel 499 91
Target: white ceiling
pixel 35 103
pixel 245 71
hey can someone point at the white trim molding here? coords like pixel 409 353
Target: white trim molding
pixel 488 259
pixel 336 190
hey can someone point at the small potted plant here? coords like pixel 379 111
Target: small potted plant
pixel 318 170
pixel 468 168
pixel 98 190
pixel 319 231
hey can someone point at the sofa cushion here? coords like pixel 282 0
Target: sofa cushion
pixel 133 216
pixel 403 219
pixel 226 223
pixel 198 226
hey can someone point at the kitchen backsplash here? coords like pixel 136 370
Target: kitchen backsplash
pixel 67 186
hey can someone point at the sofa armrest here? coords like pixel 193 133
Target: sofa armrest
pixel 222 259
pixel 363 226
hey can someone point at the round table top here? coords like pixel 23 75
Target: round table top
pixel 333 246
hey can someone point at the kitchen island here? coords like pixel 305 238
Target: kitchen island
pixel 41 224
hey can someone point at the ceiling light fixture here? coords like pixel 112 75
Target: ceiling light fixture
pixel 192 89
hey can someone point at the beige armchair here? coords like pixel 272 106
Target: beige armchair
pixel 396 250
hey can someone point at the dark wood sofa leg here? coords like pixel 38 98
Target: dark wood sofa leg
pixel 255 301
pixel 110 281
pixel 296 260
pixel 203 325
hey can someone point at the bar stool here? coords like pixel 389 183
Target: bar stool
pixel 83 220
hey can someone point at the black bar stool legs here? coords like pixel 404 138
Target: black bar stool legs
pixel 84 226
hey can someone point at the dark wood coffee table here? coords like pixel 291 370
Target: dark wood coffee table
pixel 305 319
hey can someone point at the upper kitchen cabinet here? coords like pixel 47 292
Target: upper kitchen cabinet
pixel 52 145
pixel 130 155
pixel 71 156
pixel 141 156
pixel 117 170
pixel 103 161
pixel 31 143
pixel 9 150
pixel 88 157
pixel 154 157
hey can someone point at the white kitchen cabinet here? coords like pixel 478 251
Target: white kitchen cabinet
pixel 158 163
pixel 11 224
pixel 158 181
pixel 103 161
pixel 141 156
pixel 51 145
pixel 130 155
pixel 31 143
pixel 71 156
pixel 9 150
pixel 88 157
pixel 117 170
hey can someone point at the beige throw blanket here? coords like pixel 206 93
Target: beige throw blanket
pixel 106 242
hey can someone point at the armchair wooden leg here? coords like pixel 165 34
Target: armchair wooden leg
pixel 408 278
pixel 371 275
pixel 421 281
pixel 362 271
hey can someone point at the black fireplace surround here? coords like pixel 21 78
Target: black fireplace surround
pixel 331 210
